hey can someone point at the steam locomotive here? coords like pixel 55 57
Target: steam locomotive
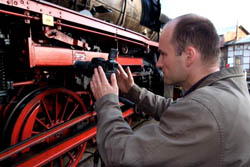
pixel 143 16
pixel 46 108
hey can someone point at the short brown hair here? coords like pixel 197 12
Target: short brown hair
pixel 199 32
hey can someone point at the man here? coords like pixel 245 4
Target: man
pixel 208 127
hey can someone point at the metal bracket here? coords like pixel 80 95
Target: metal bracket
pixel 27 13
pixel 58 35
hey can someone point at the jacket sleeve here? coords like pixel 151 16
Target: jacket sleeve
pixel 148 102
pixel 187 135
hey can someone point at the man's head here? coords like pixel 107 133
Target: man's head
pixel 187 43
pixel 198 32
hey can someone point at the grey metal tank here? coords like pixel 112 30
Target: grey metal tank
pixel 143 16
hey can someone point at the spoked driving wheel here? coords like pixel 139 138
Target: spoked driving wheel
pixel 43 110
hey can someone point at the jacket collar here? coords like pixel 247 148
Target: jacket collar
pixel 223 74
pixel 214 77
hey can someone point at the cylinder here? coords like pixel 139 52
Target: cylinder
pixel 138 15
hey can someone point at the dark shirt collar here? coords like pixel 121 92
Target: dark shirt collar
pixel 196 85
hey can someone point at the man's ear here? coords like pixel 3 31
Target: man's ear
pixel 191 54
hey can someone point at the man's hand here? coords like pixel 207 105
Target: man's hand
pixel 100 86
pixel 125 80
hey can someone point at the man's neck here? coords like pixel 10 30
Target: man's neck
pixel 197 75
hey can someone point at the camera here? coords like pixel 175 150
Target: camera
pixel 109 66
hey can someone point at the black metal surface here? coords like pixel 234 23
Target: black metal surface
pixel 3 82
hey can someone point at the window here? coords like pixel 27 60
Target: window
pixel 239 55
pixel 238 52
pixel 246 66
pixel 238 60
pixel 246 60
pixel 230 48
pixel 230 54
pixel 230 60
pixel 246 52
pixel 238 47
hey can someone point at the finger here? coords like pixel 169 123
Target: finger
pixel 113 80
pixel 121 70
pixel 103 77
pixel 93 84
pixel 92 87
pixel 118 73
pixel 96 79
pixel 129 73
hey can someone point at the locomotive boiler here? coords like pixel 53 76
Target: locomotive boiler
pixel 47 113
pixel 143 16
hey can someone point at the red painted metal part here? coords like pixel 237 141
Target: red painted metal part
pixel 37 139
pixel 29 113
pixel 8 2
pixel 61 13
pixel 58 23
pixel 50 56
pixel 58 150
pixel 55 34
pixel 130 61
pixel 80 139
pixel 127 113
pixel 108 35
pixel 19 15
pixel 1 107
pixel 23 83
pixel 43 111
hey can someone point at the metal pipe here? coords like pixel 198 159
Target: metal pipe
pixel 23 83
pixel 19 15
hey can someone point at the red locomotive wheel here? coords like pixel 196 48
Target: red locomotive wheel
pixel 41 111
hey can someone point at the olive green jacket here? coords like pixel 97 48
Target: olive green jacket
pixel 209 127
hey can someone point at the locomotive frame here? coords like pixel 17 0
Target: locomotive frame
pixel 47 111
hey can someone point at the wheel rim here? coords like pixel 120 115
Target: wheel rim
pixel 44 111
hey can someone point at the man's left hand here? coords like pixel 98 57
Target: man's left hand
pixel 100 86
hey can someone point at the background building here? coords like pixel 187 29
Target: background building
pixel 235 48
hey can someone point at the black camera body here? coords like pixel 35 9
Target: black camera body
pixel 109 66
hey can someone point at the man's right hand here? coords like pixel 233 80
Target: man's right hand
pixel 125 80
